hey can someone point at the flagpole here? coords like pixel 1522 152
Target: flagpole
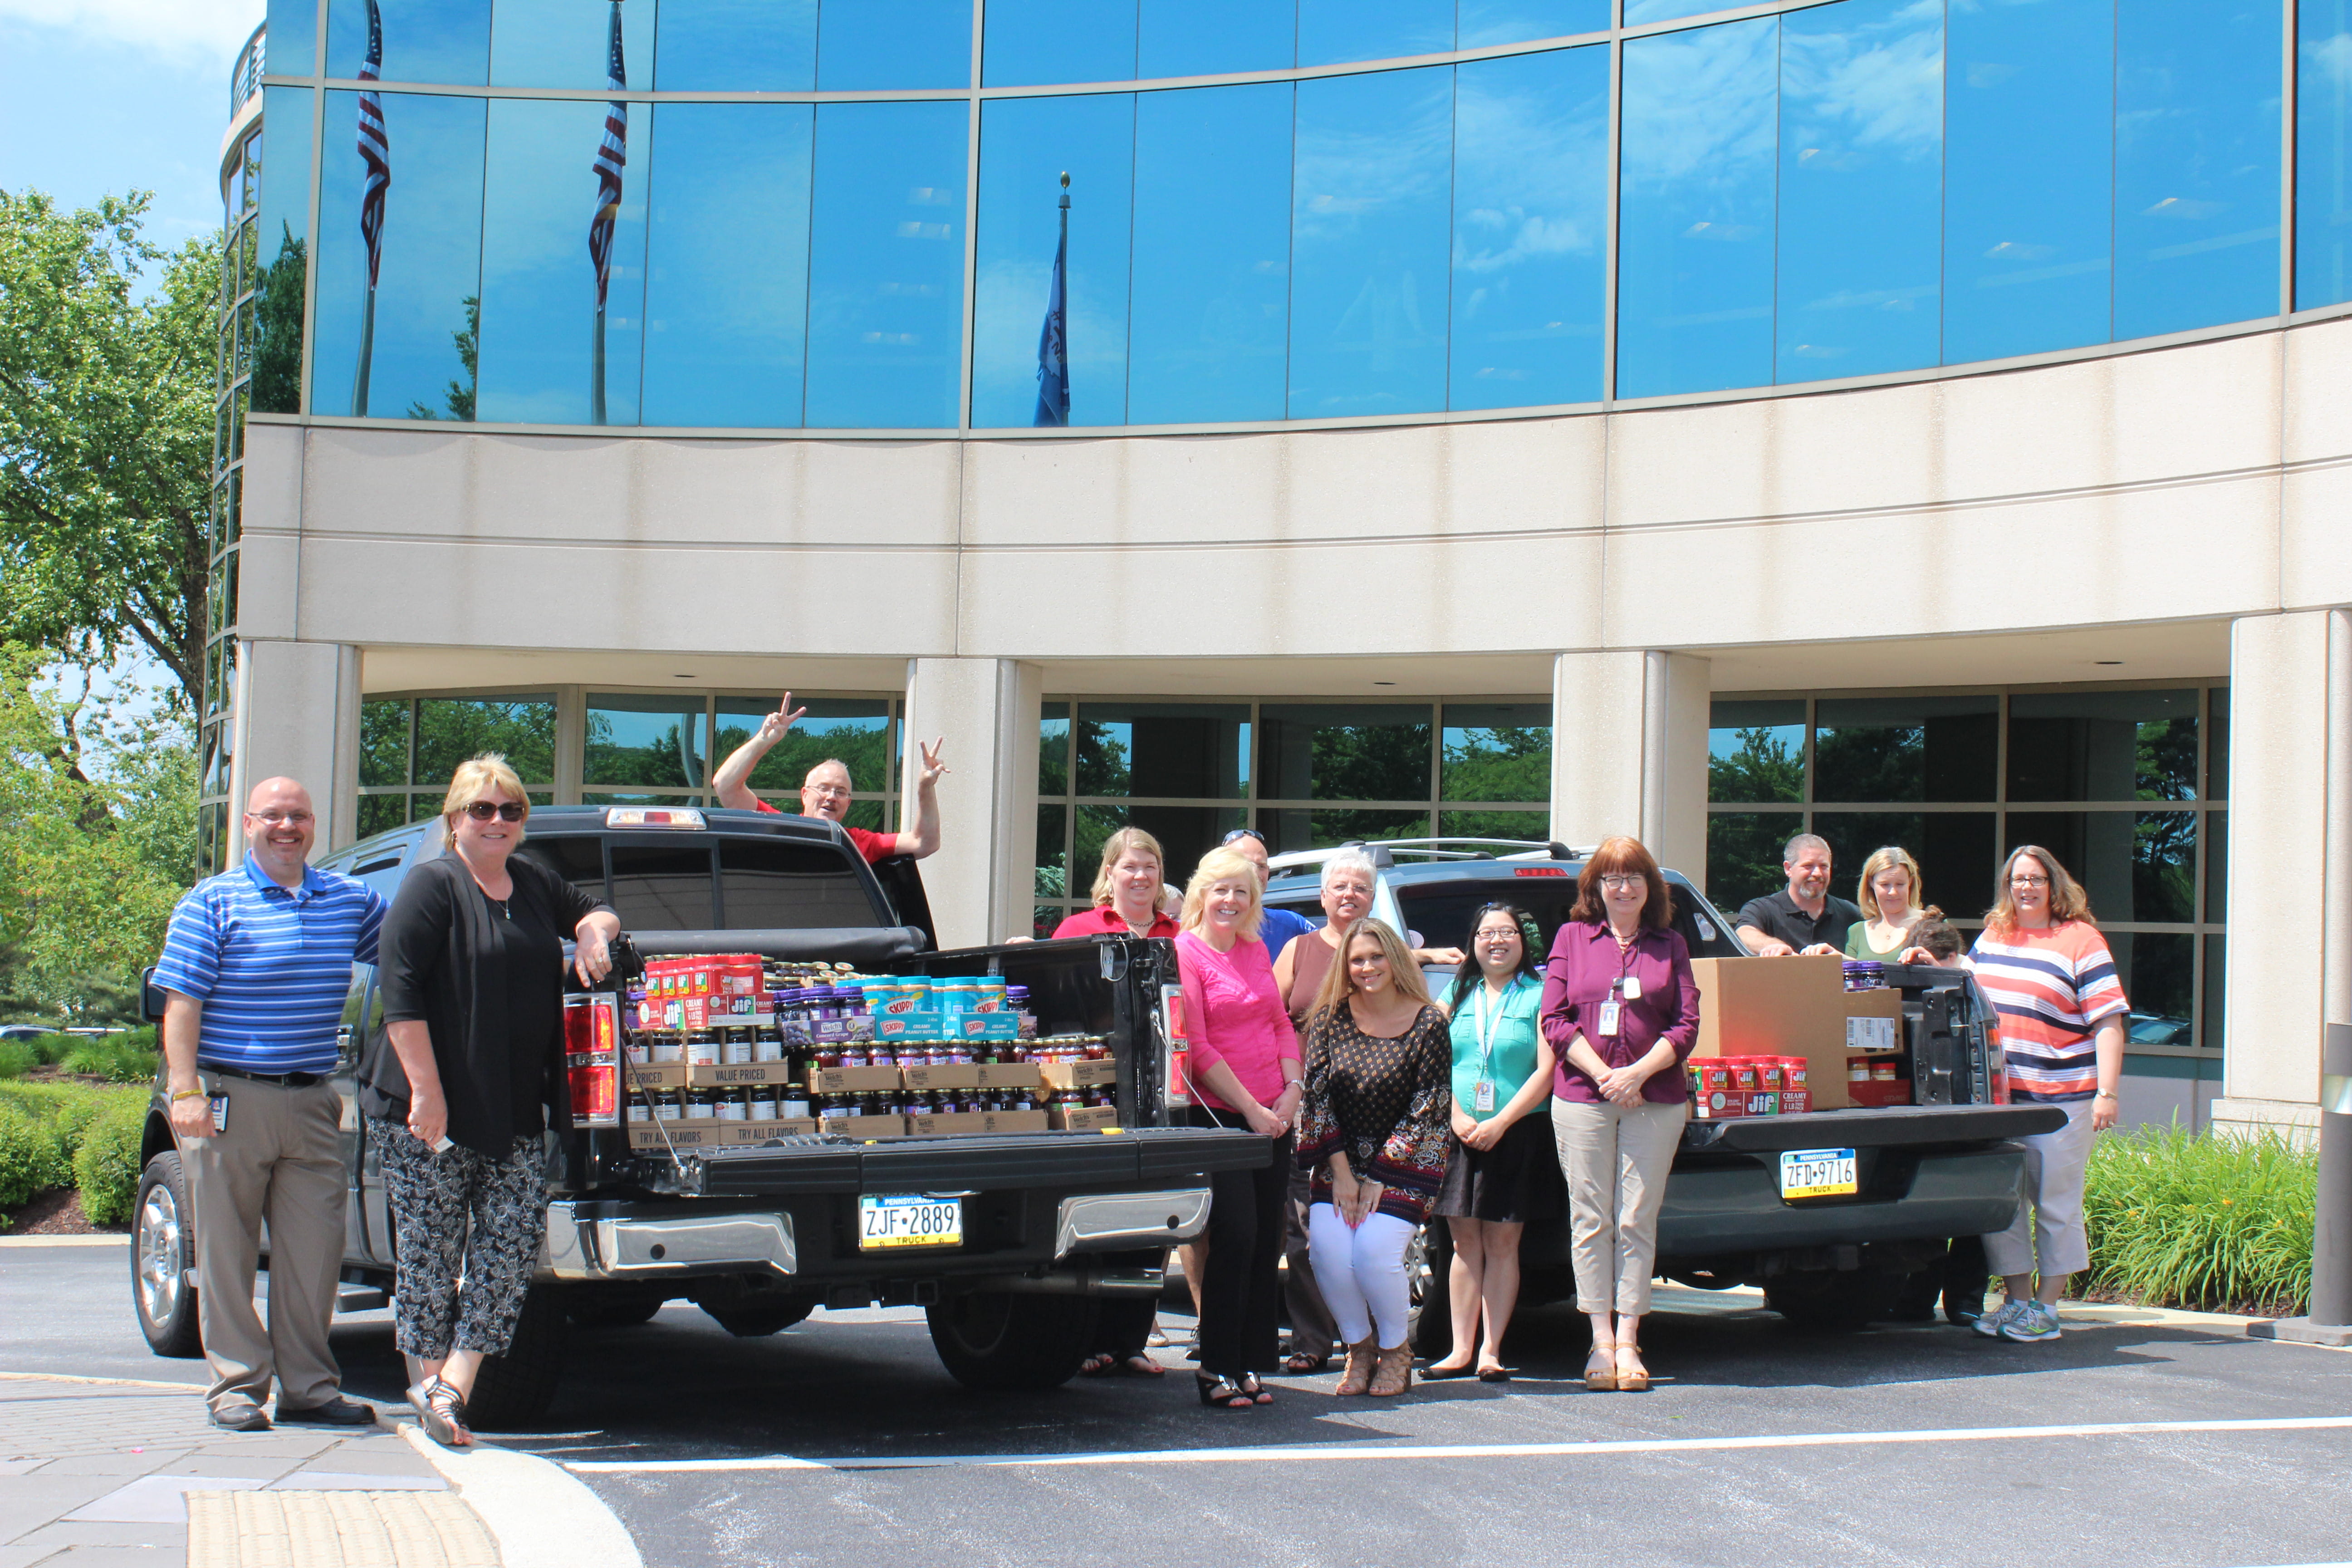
pixel 367 352
pixel 596 375
pixel 1062 255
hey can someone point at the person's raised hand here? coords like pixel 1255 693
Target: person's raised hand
pixel 772 727
pixel 933 769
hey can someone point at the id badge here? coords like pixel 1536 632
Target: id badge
pixel 1633 988
pixel 1482 1099
pixel 219 1103
pixel 1609 1017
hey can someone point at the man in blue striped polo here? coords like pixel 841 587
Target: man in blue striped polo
pixel 255 968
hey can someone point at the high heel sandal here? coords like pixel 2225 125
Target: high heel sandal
pixel 1601 1369
pixel 1635 1379
pixel 1358 1377
pixel 1223 1393
pixel 1250 1385
pixel 1394 1373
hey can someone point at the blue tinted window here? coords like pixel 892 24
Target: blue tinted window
pixel 1333 32
pixel 1862 178
pixel 292 46
pixel 538 282
pixel 1208 37
pixel 2197 163
pixel 1694 210
pixel 2322 141
pixel 2029 120
pixel 1211 311
pixel 1483 24
pixel 886 267
pixel 282 259
pixel 740 45
pixel 1030 42
pixel 1640 11
pixel 726 258
pixel 564 43
pixel 1530 205
pixel 428 282
pixel 423 40
pixel 1372 201
pixel 1026 144
pixel 893 44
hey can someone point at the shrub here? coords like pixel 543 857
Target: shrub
pixel 51 1049
pixel 33 1157
pixel 2185 1220
pixel 65 1134
pixel 114 1057
pixel 16 1058
pixel 106 1166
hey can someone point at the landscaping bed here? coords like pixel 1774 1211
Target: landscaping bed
pixel 72 1112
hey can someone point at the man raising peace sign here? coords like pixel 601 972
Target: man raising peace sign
pixel 825 791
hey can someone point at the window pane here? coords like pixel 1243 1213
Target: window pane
pixel 1905 748
pixel 728 323
pixel 855 731
pixel 1325 829
pixel 293 43
pixel 2216 996
pixel 579 861
pixel 1861 188
pixel 2103 745
pixel 1640 11
pixel 662 887
pixel 1955 851
pixel 420 341
pixel 2323 152
pixel 1530 199
pixel 562 42
pixel 893 44
pixel 1755 751
pixel 383 741
pixel 380 813
pixel 886 270
pixel 1497 751
pixel 640 797
pixel 1853 834
pixel 284 229
pixel 1344 751
pixel 1210 303
pixel 645 741
pixel 2029 129
pixel 1371 210
pixel 2156 970
pixel 2098 848
pixel 769 884
pixel 743 45
pixel 1482 24
pixel 1025 145
pixel 1029 43
pixel 423 40
pixel 2216 867
pixel 451 728
pixel 1053 880
pixel 1053 749
pixel 2197 163
pixel 1185 833
pixel 1333 32
pixel 539 281
pixel 1206 37
pixel 2217 743
pixel 1694 210
pixel 1532 827
pixel 1183 750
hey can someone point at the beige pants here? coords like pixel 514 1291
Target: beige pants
pixel 281 1161
pixel 1616 1162
pixel 2048 1229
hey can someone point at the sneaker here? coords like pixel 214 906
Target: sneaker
pixel 1990 1324
pixel 2032 1326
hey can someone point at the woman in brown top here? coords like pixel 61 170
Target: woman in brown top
pixel 1374 1131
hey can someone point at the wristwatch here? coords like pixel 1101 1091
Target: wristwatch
pixel 1297 1083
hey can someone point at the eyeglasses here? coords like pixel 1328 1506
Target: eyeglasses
pixel 504 810
pixel 2029 881
pixel 829 792
pixel 1238 834
pixel 282 819
pixel 1626 883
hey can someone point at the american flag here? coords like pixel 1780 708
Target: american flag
pixel 610 157
pixel 375 147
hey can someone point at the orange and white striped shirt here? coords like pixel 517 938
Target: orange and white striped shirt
pixel 2051 988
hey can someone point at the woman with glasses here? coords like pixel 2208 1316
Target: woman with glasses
pixel 2052 983
pixel 1621 1008
pixel 466 1075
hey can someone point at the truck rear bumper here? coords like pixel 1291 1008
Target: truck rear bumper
pixel 583 1247
pixel 1118 1222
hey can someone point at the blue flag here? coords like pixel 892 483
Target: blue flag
pixel 1053 350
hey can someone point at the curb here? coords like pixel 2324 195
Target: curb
pixel 96 1238
pixel 540 1514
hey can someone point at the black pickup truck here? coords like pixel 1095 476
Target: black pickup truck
pixel 759 1236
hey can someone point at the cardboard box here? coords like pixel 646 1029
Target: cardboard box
pixel 957 1075
pixel 761 1132
pixel 1880 1092
pixel 986 1026
pixel 864 1126
pixel 740 1075
pixel 1718 1105
pixel 655 1075
pixel 707 1134
pixel 1078 1074
pixel 1796 1102
pixel 854 1080
pixel 917 1023
pixel 975 1123
pixel 1786 1007
pixel 1010 1075
pixel 1082 1118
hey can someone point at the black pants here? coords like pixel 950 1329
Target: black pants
pixel 1241 1287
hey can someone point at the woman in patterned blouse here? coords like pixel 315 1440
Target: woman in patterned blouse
pixel 1374 1131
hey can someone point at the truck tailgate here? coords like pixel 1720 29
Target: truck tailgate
pixel 1900 1125
pixel 1047 1159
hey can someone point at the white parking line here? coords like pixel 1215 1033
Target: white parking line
pixel 1297 1454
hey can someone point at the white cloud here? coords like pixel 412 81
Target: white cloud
pixel 214 28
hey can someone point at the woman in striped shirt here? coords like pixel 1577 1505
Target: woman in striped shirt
pixel 2052 982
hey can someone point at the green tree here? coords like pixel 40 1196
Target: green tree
pixel 106 434
pixel 460 395
pixel 278 326
pixel 1766 767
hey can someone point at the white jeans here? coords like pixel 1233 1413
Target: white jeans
pixel 1361 1270
pixel 2049 1222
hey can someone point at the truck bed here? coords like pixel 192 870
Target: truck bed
pixel 1091 1160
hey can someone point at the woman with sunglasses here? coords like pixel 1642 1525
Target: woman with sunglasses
pixel 466 1076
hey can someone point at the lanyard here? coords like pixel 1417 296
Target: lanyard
pixel 1486 1023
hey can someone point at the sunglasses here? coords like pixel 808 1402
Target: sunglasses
pixel 1238 834
pixel 504 810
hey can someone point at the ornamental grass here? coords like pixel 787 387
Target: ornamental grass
pixel 2191 1220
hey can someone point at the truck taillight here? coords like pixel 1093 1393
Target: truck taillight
pixel 1176 1065
pixel 594 1084
pixel 592 1039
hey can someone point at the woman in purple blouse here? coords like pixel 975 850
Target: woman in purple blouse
pixel 1621 1009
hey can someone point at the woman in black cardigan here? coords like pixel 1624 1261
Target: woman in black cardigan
pixel 459 1087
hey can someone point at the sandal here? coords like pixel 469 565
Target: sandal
pixel 1601 1369
pixel 1250 1385
pixel 1102 1364
pixel 1223 1394
pixel 443 1411
pixel 1305 1364
pixel 1140 1365
pixel 1635 1379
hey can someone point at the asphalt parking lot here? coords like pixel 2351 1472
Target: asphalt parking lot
pixel 841 1441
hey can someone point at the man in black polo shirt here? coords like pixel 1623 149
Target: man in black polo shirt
pixel 1807 918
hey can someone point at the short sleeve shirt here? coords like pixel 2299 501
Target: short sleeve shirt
pixel 2050 989
pixel 1280 928
pixel 1777 916
pixel 873 846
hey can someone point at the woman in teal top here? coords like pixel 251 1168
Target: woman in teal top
pixel 1502 1172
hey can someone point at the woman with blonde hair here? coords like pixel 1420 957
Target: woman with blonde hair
pixel 1127 892
pixel 1244 1069
pixel 1890 897
pixel 2052 981
pixel 466 1075
pixel 1375 1130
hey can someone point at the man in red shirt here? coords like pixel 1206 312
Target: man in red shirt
pixel 826 792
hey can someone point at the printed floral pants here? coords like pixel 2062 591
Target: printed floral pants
pixel 461 1210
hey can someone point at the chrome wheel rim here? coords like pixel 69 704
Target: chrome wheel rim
pixel 157 1243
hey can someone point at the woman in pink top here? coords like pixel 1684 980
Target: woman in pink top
pixel 1244 1073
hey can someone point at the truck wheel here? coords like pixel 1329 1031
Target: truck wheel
pixel 1003 1344
pixel 1428 1259
pixel 515 1389
pixel 1832 1302
pixel 163 1259
pixel 758 1322
pixel 589 1306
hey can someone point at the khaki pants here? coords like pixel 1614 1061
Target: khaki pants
pixel 2048 1229
pixel 1616 1162
pixel 281 1161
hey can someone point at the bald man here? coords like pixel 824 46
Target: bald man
pixel 255 968
pixel 824 792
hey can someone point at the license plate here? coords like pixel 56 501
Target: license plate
pixel 909 1222
pixel 1818 1174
